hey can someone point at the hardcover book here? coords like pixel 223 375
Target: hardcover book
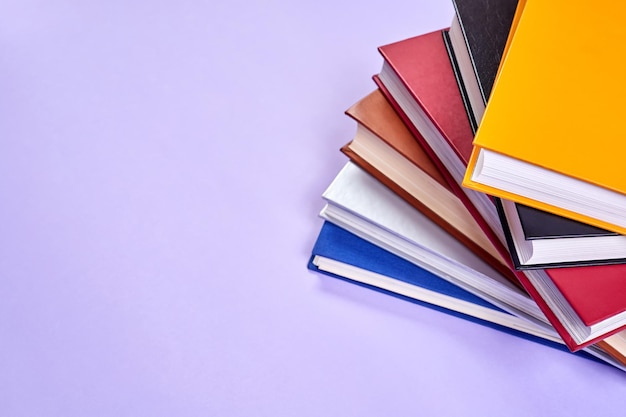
pixel 360 204
pixel 550 137
pixel 537 239
pixel 418 80
pixel 590 302
pixel 341 254
pixel 344 254
pixel 385 148
pixel 478 36
pixel 419 75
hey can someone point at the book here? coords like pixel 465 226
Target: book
pixel 341 254
pixel 360 204
pixel 420 77
pixel 344 254
pixel 418 80
pixel 540 224
pixel 451 147
pixel 550 137
pixel 615 346
pixel 537 239
pixel 590 302
pixel 385 148
pixel 478 35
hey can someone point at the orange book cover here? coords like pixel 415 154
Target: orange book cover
pixel 395 157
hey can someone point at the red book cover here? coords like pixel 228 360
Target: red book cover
pixel 422 65
pixel 419 81
pixel 594 293
pixel 598 292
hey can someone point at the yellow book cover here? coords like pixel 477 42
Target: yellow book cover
pixel 553 136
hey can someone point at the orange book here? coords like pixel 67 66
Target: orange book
pixel 385 148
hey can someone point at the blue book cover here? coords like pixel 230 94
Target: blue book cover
pixel 344 248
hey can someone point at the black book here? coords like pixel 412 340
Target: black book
pixel 537 239
pixel 478 35
pixel 539 224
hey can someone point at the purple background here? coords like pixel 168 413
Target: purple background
pixel 161 166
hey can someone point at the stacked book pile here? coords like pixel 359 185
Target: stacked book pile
pixel 485 176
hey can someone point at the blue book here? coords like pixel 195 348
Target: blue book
pixel 341 254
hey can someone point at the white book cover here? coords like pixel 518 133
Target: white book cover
pixel 362 205
pixel 359 203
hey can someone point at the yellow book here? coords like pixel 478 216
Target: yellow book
pixel 553 136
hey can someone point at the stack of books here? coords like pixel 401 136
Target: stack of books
pixel 483 179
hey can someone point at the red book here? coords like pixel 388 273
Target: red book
pixel 584 304
pixel 418 80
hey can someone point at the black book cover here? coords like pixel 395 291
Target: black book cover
pixel 486 25
pixel 539 224
pixel 515 257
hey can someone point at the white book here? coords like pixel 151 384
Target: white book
pixel 362 205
